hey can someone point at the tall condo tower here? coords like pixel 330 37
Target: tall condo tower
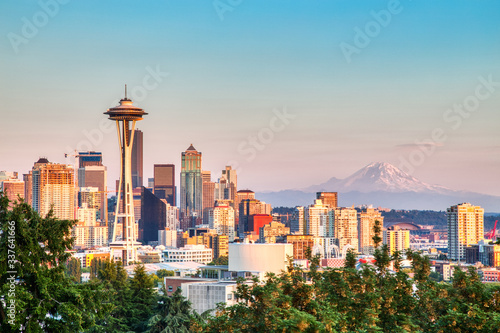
pixel 125 115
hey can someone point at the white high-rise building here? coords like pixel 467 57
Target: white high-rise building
pixel 171 216
pixel 317 219
pixel 88 233
pixel 167 238
pixel 221 218
pixel 465 227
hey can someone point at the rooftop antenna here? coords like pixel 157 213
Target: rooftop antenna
pixel 125 91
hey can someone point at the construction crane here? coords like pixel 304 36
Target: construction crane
pixel 491 234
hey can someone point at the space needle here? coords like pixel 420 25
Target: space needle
pixel 125 115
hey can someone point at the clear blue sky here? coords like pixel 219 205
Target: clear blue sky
pixel 226 76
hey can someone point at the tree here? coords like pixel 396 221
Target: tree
pixel 143 298
pixel 74 270
pixel 219 261
pixel 161 273
pixel 38 295
pixel 114 280
pixel 172 314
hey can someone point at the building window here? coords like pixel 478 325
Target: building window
pixel 229 297
pixel 170 288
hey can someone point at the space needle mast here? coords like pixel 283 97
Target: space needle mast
pixel 125 115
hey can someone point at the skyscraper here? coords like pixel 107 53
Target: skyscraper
pixel 366 222
pixel 89 158
pixel 317 219
pixel 137 159
pixel 93 174
pixel 28 190
pixel 191 188
pixel 328 198
pixel 247 208
pixel 230 179
pixel 221 218
pixel 153 216
pixel 208 194
pixel 465 227
pixel 53 187
pixel 164 182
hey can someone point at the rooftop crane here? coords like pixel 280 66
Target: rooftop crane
pixel 491 234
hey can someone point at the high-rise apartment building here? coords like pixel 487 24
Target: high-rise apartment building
pixel 328 198
pixel 366 222
pixel 137 159
pixel 397 239
pixel 53 187
pixel 164 182
pixel 13 189
pixel 191 188
pixel 93 174
pixel 465 227
pixel 344 227
pixel 90 197
pixel 221 218
pixel 317 219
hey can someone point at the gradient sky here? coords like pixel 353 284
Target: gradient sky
pixel 226 78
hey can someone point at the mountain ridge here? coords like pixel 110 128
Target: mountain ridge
pixel 382 185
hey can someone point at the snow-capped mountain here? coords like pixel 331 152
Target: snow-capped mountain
pixel 379 176
pixel 382 184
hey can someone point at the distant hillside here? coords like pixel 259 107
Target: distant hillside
pixel 421 217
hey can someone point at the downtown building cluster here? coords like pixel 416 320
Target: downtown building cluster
pixel 189 225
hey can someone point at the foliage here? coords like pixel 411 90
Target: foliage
pixel 161 273
pixel 131 300
pixel 74 270
pixel 32 275
pixel 219 261
pixel 374 298
pixel 381 297
pixel 172 314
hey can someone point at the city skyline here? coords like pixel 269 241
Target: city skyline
pixel 232 79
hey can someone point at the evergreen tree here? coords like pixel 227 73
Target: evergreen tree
pixel 74 270
pixel 32 275
pixel 143 298
pixel 172 314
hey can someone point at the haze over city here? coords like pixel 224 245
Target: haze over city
pixel 359 86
